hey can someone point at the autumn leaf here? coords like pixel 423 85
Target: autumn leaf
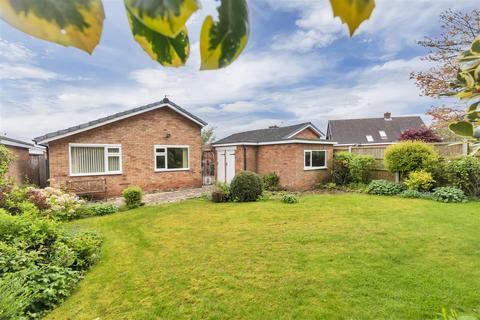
pixel 352 12
pixel 169 52
pixel 222 42
pixel 73 23
pixel 167 17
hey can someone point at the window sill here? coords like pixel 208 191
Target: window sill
pixel 172 170
pixel 94 174
pixel 314 168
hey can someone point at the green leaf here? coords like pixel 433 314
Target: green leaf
pixel 169 52
pixel 222 42
pixel 462 128
pixel 167 17
pixel 473 106
pixel 476 45
pixel 73 23
pixel 472 115
pixel 352 12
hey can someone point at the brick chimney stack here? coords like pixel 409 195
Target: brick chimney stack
pixel 387 116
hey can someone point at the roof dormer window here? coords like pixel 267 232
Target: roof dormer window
pixel 369 138
pixel 383 134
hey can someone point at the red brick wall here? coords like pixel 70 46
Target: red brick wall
pixel 287 160
pixel 251 157
pixel 307 134
pixel 18 170
pixel 137 135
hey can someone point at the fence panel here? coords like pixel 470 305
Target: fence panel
pixel 37 170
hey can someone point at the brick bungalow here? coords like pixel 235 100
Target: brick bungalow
pixel 18 169
pixel 297 153
pixel 157 147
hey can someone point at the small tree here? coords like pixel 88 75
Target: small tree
pixel 420 134
pixel 410 156
pixel 208 135
pixel 361 167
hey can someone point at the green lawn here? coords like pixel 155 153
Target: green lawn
pixel 328 257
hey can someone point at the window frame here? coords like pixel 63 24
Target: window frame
pixel 371 138
pixel 384 135
pixel 166 147
pixel 311 167
pixel 106 154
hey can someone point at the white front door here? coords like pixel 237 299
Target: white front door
pixel 225 164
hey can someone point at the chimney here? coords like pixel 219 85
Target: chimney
pixel 273 127
pixel 387 116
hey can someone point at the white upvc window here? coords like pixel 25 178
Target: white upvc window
pixel 171 157
pixel 315 159
pixel 369 138
pixel 383 134
pixel 94 159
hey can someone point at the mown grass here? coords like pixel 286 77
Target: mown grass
pixel 328 257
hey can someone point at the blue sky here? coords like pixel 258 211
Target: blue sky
pixel 299 65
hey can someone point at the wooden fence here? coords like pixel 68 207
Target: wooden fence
pixel 37 170
pixel 444 149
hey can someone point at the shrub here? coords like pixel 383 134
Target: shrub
pixel 271 181
pixel 219 197
pixel 360 168
pixel 341 171
pixel 6 158
pixel 133 196
pixel 289 198
pixel 383 187
pixel 221 192
pixel 246 186
pixel 62 205
pixel 420 134
pixel 464 173
pixel 448 194
pixel 410 156
pixel 409 193
pixel 40 262
pixel 419 180
pixel 99 209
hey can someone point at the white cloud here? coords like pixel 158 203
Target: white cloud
pixel 14 51
pixel 24 71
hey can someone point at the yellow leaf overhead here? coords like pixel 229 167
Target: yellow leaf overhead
pixel 169 52
pixel 167 17
pixel 352 12
pixel 73 23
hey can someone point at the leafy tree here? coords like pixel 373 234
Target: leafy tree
pixel 157 25
pixel 459 29
pixel 208 135
pixel 420 134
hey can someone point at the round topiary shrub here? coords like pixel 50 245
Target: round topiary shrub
pixel 133 196
pixel 246 186
pixel 410 156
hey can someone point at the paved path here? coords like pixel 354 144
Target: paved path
pixel 168 196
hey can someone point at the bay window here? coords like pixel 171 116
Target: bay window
pixel 95 159
pixel 315 159
pixel 171 158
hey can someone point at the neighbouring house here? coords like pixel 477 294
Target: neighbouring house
pixel 26 155
pixel 156 146
pixel 299 154
pixel 369 131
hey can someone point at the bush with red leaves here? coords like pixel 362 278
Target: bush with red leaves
pixel 421 134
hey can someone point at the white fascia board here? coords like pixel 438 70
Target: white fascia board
pixel 15 144
pixel 272 142
pixel 117 119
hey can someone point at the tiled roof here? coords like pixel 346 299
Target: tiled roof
pixel 265 135
pixel 15 142
pixel 117 116
pixel 355 131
